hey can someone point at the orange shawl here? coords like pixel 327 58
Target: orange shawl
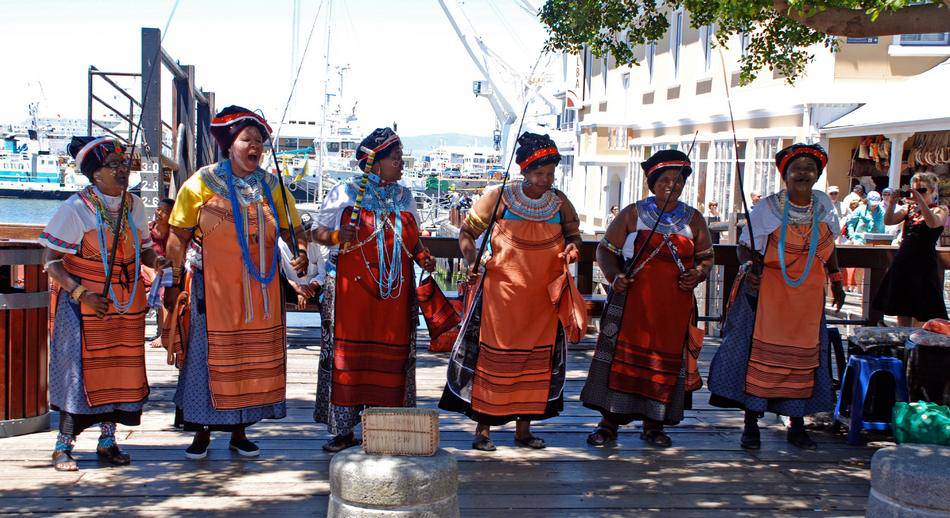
pixel 113 347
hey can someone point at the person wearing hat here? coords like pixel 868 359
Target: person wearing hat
pixel 646 370
pixel 225 326
pixel 774 352
pixel 97 353
pixel 370 311
pixel 510 365
pixel 303 289
pixel 833 193
pixel 869 218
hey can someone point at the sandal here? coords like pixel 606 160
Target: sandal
pixel 64 461
pixel 483 443
pixel 533 442
pixel 800 439
pixel 341 442
pixel 656 438
pixel 113 455
pixel 602 435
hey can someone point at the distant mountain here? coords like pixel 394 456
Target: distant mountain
pixel 420 144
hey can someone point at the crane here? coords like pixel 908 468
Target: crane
pixel 492 67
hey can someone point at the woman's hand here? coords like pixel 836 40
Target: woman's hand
pixel 347 233
pixel 96 302
pixel 571 253
pixel 300 263
pixel 470 273
pixel 303 290
pixel 621 283
pixel 160 263
pixel 426 261
pixel 691 278
pixel 919 198
pixel 302 301
pixel 837 292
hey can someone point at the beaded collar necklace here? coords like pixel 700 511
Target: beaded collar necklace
pixel 527 208
pixel 671 221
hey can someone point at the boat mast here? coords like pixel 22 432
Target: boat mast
pixel 326 100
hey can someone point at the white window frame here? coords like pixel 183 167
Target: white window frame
pixel 636 172
pixel 766 179
pixel 924 43
pixel 676 41
pixel 723 165
pixel 706 34
pixel 650 58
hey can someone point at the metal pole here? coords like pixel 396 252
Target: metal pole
pixel 89 101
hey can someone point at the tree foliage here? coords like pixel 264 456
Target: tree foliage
pixel 780 32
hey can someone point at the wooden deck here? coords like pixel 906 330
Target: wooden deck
pixel 704 473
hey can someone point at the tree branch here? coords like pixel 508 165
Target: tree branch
pixel 855 23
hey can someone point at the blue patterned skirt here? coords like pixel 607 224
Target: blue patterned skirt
pixel 193 396
pixel 67 392
pixel 727 372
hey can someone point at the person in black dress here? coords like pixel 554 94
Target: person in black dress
pixel 913 287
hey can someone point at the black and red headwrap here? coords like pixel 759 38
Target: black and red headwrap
pixel 535 151
pixel 785 157
pixel 664 160
pixel 381 143
pixel 91 152
pixel 228 123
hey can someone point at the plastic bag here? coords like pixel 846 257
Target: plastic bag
pixel 921 422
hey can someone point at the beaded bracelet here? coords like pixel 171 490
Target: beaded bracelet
pixel 77 292
pixel 610 246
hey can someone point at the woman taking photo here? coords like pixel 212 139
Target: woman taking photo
pixel 647 371
pixel 774 352
pixel 913 287
pixel 510 366
pixel 97 352
pixel 223 245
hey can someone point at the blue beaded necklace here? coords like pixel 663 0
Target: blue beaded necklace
pixel 120 307
pixel 239 224
pixel 812 245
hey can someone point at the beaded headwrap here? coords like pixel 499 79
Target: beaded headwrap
pixel 664 160
pixel 535 151
pixel 785 157
pixel 377 146
pixel 229 122
pixel 91 152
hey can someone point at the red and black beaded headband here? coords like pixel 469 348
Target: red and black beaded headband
pixel 227 120
pixel 671 163
pixel 537 155
pixel 797 152
pixel 386 143
pixel 95 144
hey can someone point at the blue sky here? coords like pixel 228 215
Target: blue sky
pixel 407 64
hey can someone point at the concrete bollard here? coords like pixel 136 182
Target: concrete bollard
pixel 910 480
pixel 377 486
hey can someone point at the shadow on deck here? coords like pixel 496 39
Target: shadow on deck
pixel 704 472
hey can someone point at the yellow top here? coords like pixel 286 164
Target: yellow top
pixel 195 192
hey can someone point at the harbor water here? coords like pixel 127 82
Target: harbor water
pixel 27 212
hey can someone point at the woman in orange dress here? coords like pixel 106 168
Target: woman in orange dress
pixel 774 354
pixel 645 367
pixel 369 313
pixel 509 363
pixel 97 354
pixel 227 304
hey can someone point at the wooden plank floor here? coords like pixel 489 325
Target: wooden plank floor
pixel 704 473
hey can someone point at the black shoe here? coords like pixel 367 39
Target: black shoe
pixel 199 447
pixel 800 439
pixel 750 439
pixel 244 447
pixel 483 443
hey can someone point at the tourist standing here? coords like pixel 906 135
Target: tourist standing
pixel 912 288
pixel 370 311
pixel 646 370
pixel 97 351
pixel 510 363
pixel 225 224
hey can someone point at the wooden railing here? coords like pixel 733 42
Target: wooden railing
pixel 875 259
